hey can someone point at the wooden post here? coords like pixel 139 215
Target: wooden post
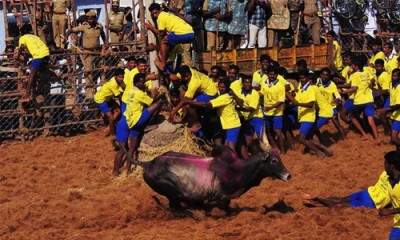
pixel 33 18
pixel 142 23
pixel 5 11
pixel 107 19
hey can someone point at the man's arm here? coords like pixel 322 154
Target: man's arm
pixel 384 212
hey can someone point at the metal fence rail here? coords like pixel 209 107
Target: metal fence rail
pixel 60 105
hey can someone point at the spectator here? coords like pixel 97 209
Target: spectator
pixel 59 20
pixel 117 23
pixel 216 14
pixel 311 19
pixel 91 33
pixel 257 23
pixel 279 20
pixel 239 26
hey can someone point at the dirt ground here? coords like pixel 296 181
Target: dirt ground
pixel 62 188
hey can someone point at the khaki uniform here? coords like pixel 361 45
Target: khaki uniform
pixel 90 43
pixel 116 26
pixel 312 20
pixel 59 20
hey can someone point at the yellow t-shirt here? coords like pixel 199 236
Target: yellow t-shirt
pixel 306 95
pixel 391 63
pixel 379 192
pixel 394 92
pixel 325 108
pixel 363 95
pixel 128 81
pixel 36 47
pixel 379 55
pixel 330 91
pixel 258 77
pixel 137 101
pixel 384 81
pixel 170 23
pixel 345 73
pixel 236 86
pixel 226 111
pixel 252 100
pixel 199 83
pixel 394 194
pixel 109 90
pixel 273 92
pixel 337 55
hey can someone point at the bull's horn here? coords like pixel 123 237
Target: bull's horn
pixel 264 143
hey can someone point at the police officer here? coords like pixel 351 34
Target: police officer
pixel 59 20
pixel 311 19
pixel 117 23
pixel 91 32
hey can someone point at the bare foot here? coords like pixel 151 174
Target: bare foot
pixel 159 65
pixel 311 203
pixel 364 138
pixel 328 153
pixel 307 196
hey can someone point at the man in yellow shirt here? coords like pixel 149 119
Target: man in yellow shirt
pixel 40 54
pixel 274 103
pixel 140 108
pixel 306 101
pixel 176 30
pixel 236 81
pixel 376 52
pixel 363 98
pixel 250 109
pixel 381 90
pixel 390 57
pixel 375 196
pixel 141 67
pixel 227 113
pixel 260 76
pixel 329 89
pixel 394 108
pixel 104 99
pixel 200 88
pixel 337 57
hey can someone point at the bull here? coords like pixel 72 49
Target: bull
pixel 190 180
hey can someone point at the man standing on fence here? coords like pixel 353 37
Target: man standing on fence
pixel 91 32
pixel 40 54
pixel 59 20
pixel 117 23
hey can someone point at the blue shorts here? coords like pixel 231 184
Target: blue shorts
pixel 232 134
pixel 123 107
pixel 104 107
pixel 175 39
pixel 40 63
pixel 335 112
pixel 204 98
pixel 386 102
pixel 348 105
pixel 361 199
pixel 141 123
pixel 305 128
pixel 253 125
pixel 321 121
pixel 290 114
pixel 169 68
pixel 367 108
pixel 394 234
pixel 122 131
pixel 274 122
pixel 396 126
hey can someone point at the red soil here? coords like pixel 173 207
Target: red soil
pixel 62 188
